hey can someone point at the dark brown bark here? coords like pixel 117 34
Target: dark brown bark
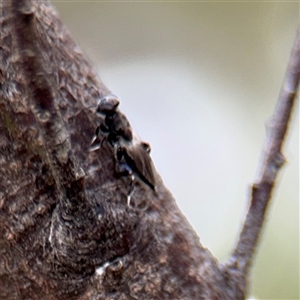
pixel 67 230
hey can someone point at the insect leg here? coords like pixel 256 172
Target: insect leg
pixel 96 144
pixel 130 191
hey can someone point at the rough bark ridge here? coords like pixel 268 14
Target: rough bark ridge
pixel 67 230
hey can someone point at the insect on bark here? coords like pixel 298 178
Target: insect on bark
pixel 132 155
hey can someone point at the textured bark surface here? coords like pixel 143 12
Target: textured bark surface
pixel 66 229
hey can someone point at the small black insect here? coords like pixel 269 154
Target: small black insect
pixel 132 155
pixel 135 160
pixel 115 125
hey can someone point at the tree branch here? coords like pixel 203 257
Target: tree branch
pixel 269 166
pixel 67 229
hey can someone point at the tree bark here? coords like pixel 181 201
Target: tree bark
pixel 67 229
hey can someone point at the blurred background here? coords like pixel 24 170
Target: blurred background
pixel 199 81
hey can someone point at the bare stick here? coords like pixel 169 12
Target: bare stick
pixel 271 162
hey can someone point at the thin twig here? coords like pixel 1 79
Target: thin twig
pixel 271 162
